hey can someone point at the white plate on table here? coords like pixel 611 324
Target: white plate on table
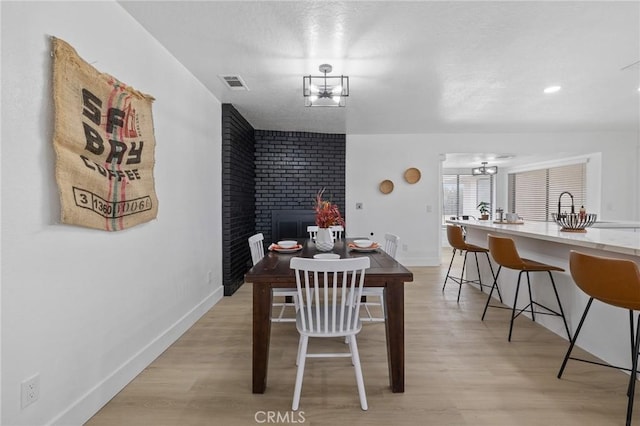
pixel 326 256
pixel 363 243
pixel 373 247
pixel 287 244
pixel 274 247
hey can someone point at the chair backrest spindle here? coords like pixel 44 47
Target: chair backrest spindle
pixel 313 232
pixel 391 244
pixel 323 288
pixel 256 247
pixel 336 231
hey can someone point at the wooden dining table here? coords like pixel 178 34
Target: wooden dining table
pixel 274 271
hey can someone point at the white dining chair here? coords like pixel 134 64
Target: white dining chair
pixel 326 312
pixel 257 253
pixel 391 244
pixel 336 232
pixel 375 295
pixel 313 232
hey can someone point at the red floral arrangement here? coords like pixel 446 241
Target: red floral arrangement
pixel 327 214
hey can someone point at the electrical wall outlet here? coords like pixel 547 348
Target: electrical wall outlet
pixel 30 390
pixel 405 247
pixel 209 277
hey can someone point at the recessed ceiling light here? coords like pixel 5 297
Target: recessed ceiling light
pixel 552 89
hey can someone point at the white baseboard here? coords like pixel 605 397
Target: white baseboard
pixel 90 403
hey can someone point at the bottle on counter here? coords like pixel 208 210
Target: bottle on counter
pixel 583 213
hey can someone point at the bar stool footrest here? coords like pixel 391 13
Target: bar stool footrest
pixel 461 281
pixel 499 307
pixel 526 308
pixel 588 361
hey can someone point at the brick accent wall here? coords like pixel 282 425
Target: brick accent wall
pixel 265 171
pixel 291 167
pixel 238 197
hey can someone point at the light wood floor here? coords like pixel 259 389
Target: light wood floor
pixel 459 371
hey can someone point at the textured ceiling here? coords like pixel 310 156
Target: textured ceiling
pixel 414 67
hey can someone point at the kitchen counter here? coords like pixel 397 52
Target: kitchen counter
pixel 606 332
pixel 617 225
pixel 617 240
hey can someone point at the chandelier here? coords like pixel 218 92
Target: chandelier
pixel 323 90
pixel 484 170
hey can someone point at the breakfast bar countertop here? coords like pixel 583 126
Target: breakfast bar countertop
pixel 617 224
pixel 623 241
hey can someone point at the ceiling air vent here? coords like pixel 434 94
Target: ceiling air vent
pixel 234 82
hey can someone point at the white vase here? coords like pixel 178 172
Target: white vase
pixel 324 239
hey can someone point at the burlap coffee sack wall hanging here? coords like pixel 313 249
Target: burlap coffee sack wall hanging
pixel 104 144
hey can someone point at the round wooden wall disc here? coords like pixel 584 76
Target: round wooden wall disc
pixel 412 175
pixel 386 186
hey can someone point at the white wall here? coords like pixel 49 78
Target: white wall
pixel 637 174
pixel 85 309
pixel 373 158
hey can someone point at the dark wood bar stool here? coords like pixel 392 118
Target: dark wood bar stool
pixel 504 252
pixel 456 240
pixel 615 282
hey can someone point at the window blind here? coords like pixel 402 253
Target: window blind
pixel 462 193
pixel 468 193
pixel 534 194
pixel 450 195
pixel 568 178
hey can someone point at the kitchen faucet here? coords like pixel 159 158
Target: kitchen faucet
pixel 573 209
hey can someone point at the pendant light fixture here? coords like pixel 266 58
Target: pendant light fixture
pixel 324 90
pixel 484 170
